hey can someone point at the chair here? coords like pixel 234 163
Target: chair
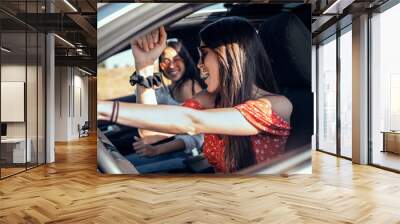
pixel 84 130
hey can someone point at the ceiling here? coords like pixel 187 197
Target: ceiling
pixel 74 22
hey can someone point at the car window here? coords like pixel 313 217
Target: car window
pixel 219 7
pixel 115 72
pixel 110 12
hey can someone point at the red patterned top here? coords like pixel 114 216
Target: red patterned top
pixel 269 143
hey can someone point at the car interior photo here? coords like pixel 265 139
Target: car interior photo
pixel 285 32
pixel 154 112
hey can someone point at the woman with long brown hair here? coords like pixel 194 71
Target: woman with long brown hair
pixel 244 119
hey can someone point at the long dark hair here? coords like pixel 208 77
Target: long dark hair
pixel 243 63
pixel 191 72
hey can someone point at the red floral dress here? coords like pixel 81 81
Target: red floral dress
pixel 269 143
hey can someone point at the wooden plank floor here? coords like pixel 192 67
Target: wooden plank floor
pixel 71 191
pixel 10 171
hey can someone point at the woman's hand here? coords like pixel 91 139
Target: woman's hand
pixel 146 49
pixel 143 149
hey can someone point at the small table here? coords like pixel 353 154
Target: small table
pixel 391 141
pixel 13 150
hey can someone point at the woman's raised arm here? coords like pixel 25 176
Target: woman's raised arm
pixel 178 119
pixel 146 50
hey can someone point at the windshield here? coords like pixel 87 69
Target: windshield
pixel 111 11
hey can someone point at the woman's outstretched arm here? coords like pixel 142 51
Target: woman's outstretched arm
pixel 178 119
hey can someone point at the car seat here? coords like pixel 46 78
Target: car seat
pixel 287 41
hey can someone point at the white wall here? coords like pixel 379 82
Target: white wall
pixel 80 110
pixel 13 73
pixel 71 94
pixel 61 103
pixel 33 126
